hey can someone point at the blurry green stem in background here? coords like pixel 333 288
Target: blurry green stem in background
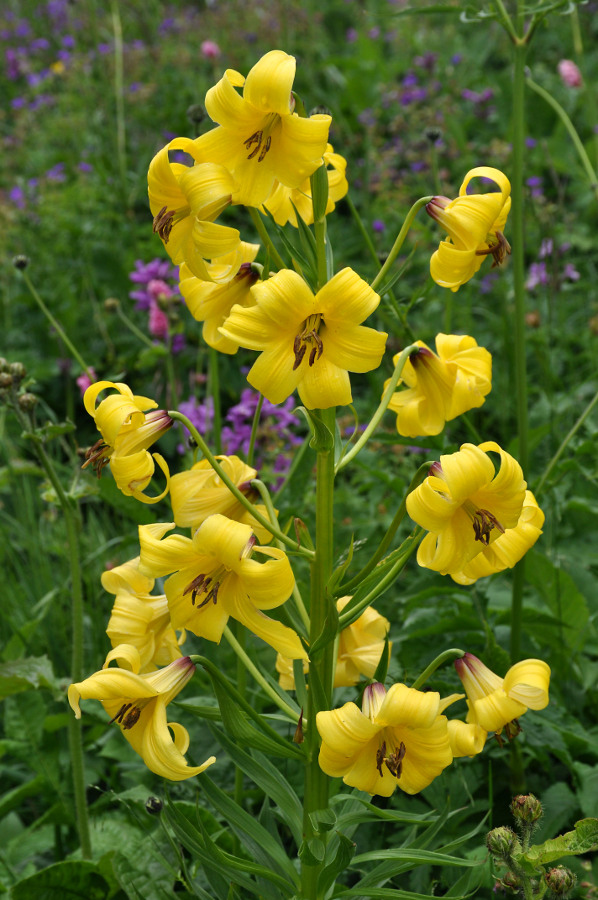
pixel 214 393
pixel 581 150
pixel 265 238
pixel 400 240
pixel 57 327
pixel 563 446
pixel 121 135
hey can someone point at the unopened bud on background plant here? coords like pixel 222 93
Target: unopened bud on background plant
pixel 570 74
pixel 526 808
pixel 196 113
pixel 17 370
pixel 560 881
pixel 503 842
pixel 111 304
pixel 5 379
pixel 27 402
pixel 433 134
pixel 20 261
pixel 153 805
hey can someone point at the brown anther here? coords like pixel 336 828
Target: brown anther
pixel 483 523
pixel 256 138
pixel 163 222
pixel 381 757
pixel 195 587
pixel 299 347
pixel 119 716
pixel 265 149
pixel 394 763
pixel 499 249
pixel 131 718
pixel 96 457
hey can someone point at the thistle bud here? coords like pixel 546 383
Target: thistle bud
pixel 526 808
pixel 433 134
pixel 20 262
pixel 196 113
pixel 503 842
pixel 17 370
pixel 111 304
pixel 5 379
pixel 153 805
pixel 560 881
pixel 27 402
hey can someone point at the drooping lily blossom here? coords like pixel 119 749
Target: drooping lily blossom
pixel 308 342
pixel 465 505
pixel 496 703
pixel 185 201
pixel 211 303
pixel 137 704
pixel 260 138
pixel 284 203
pixel 199 493
pixel 442 385
pixel 508 548
pixel 139 618
pixel 400 739
pixel 360 647
pixel 216 575
pixel 474 224
pixel 127 430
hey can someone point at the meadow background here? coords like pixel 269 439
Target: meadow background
pixel 90 92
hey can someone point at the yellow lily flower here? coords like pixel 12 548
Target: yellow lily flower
pixel 137 703
pixel 466 506
pixel 496 703
pixel 259 137
pixel 400 739
pixel 466 739
pixel 215 577
pixel 309 342
pixel 127 431
pixel 441 387
pixel 360 646
pixel 139 618
pixel 474 224
pixel 284 203
pixel 185 201
pixel 199 493
pixel 508 548
pixel 211 303
pixel 225 267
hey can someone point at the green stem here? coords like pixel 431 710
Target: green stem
pixel 265 238
pixel 72 524
pixel 132 327
pixel 321 669
pixel 257 675
pixel 581 151
pixel 505 21
pixel 447 656
pixel 320 235
pixel 396 247
pixel 121 138
pixel 241 685
pixel 57 327
pixel 394 380
pixel 363 230
pixel 214 392
pixel 519 50
pixel 269 526
pixel 254 427
pixel 349 586
pixel 171 376
pixel 566 440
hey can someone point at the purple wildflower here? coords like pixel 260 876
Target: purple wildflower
pixel 351 35
pixel 537 276
pixel 378 226
pixel 571 273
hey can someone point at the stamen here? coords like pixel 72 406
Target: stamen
pixel 380 757
pixel 393 762
pixel 309 335
pixel 256 138
pixel 131 718
pixel 265 149
pixel 119 716
pixel 97 457
pixel 201 585
pixel 163 223
pixel 483 523
pixel 499 248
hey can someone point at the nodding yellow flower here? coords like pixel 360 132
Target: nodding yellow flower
pixel 467 739
pixel 199 493
pixel 360 647
pixel 308 342
pixel 139 618
pixel 259 137
pixel 474 224
pixel 185 201
pixel 466 505
pixel 399 740
pixel 441 387
pixel 496 703
pixel 285 203
pixel 215 576
pixel 137 704
pixel 508 548
pixel 211 303
pixel 127 430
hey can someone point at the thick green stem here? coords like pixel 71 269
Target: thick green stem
pixel 396 247
pixel 71 520
pixel 214 393
pixel 254 427
pixel 394 380
pixel 447 656
pixel 519 50
pixel 269 526
pixel 265 238
pixel 57 327
pixel 321 670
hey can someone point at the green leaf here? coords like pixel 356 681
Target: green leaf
pixel 328 632
pixel 308 241
pixel 583 839
pixel 371 813
pixel 322 438
pixel 382 667
pixel 323 820
pixel 319 192
pixel 339 573
pixel 562 597
pixel 48 431
pixel 24 674
pixel 63 880
pixel 588 793
pixel 312 852
pixel 339 862
pixel 389 894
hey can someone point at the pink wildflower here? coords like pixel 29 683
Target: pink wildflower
pixel 210 49
pixel 570 74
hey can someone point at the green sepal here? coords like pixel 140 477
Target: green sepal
pixel 382 667
pixel 343 856
pixel 299 105
pixel 236 713
pixel 322 438
pixel 583 839
pixel 319 192
pixel 312 852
